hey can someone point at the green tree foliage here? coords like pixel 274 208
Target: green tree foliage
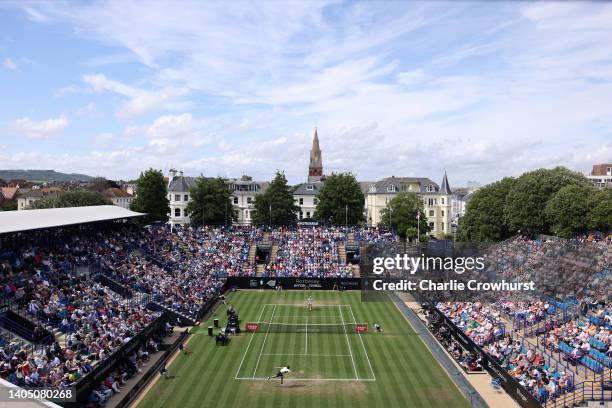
pixel 567 210
pixel 340 200
pixel 8 205
pixel 100 184
pixel 211 202
pixel 600 217
pixel 529 195
pixel 77 198
pixel 484 217
pixel 152 196
pixel 280 197
pixel 401 214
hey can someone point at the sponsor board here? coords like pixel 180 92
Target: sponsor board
pixel 294 283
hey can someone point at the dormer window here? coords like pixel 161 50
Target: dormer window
pixel 310 187
pixel 391 188
pixel 430 188
pixel 372 189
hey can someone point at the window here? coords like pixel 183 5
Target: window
pixel 186 197
pixel 441 226
pixel 430 188
pixel 443 211
pixel 177 197
pixel 391 188
pixel 235 200
pixel 301 215
pixel 177 212
pixel 431 225
pixel 432 201
pixel 307 214
pixel 372 189
pixel 310 187
pixel 301 201
pixel 442 200
pixel 246 214
pixel 315 201
pixel 249 200
pixel 432 213
pixel 170 197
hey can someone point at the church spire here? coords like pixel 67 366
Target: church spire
pixel 445 188
pixel 315 169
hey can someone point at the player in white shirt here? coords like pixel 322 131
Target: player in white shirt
pixel 281 373
pixel 309 302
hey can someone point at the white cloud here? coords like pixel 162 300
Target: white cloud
pixel 140 101
pixel 39 130
pixel 483 90
pixel 9 64
pixel 89 109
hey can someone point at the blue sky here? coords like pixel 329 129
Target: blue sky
pixel 483 90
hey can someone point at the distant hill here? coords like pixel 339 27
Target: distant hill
pixel 42 175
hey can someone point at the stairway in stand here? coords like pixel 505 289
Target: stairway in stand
pixel 252 253
pixel 260 269
pixel 342 253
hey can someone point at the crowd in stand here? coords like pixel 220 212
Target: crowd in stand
pixel 578 273
pixel 308 252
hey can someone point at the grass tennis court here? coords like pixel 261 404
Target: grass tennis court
pixel 321 344
pixel 332 365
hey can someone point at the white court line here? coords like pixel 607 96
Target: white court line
pixel 287 317
pixel 348 344
pixel 309 355
pixel 300 305
pixel 249 345
pixel 264 342
pixel 363 345
pixel 307 379
pixel 306 351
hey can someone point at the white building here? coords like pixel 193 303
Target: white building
pixel 436 200
pixel 601 175
pixel 178 195
pixel 244 191
pixel 119 197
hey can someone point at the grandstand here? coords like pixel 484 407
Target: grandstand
pixel 94 303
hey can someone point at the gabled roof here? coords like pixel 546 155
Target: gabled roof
pixel 303 189
pixel 8 192
pixel 423 182
pixel 181 184
pixel 116 193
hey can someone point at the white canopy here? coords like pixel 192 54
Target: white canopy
pixel 26 220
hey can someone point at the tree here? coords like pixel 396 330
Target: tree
pixel 401 214
pixel 8 205
pixel 276 203
pixel 529 195
pixel 152 196
pixel 77 198
pixel 484 217
pixel 210 202
pixel 100 184
pixel 567 210
pixel 2 183
pixel 600 217
pixel 340 200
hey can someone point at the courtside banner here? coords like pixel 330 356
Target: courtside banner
pixel 243 282
pixel 361 328
pixel 252 327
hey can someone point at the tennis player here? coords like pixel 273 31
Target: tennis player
pixel 309 302
pixel 281 373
